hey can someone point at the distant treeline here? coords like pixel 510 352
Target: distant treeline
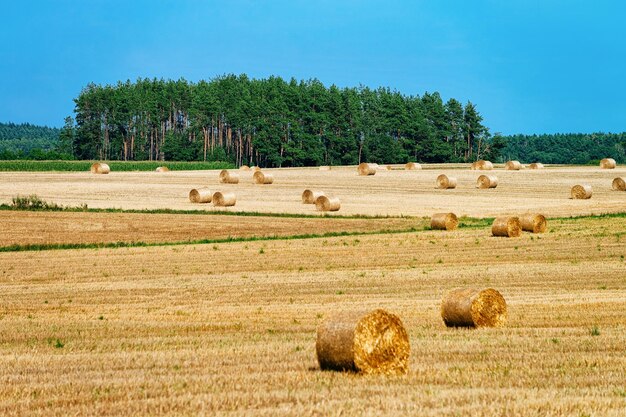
pixel 272 122
pixel 27 141
pixel 565 148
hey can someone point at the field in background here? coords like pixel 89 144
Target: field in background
pixel 393 192
pixel 229 328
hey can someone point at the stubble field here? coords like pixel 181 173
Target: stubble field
pixel 229 328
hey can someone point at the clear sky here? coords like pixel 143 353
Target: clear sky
pixel 529 66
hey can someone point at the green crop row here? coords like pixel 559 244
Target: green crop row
pixel 116 166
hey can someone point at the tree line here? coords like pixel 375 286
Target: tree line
pixel 272 122
pixel 566 148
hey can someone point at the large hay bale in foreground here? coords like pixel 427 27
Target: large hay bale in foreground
pixel 228 177
pixel 533 222
pixel 608 163
pixel 444 182
pixel 410 166
pixel 506 227
pixel 619 184
pixel 224 199
pixel 100 168
pixel 200 195
pixel 244 168
pixel 513 165
pixel 255 168
pixel 487 181
pixel 367 169
pixel 260 177
pixel 373 342
pixel 325 203
pixel 474 308
pixel 162 169
pixel 581 192
pixel 309 196
pixel 536 165
pixel 444 221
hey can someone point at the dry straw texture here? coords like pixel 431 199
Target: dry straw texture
pixel 325 203
pixel 244 168
pixel 533 222
pixel 162 169
pixel 474 308
pixel 506 227
pixel 324 168
pixel 410 166
pixel 309 196
pixel 513 165
pixel 224 199
pixel 260 177
pixel 608 163
pixel 100 168
pixel 255 168
pixel 373 342
pixel 227 177
pixel 367 169
pixel 445 182
pixel 444 221
pixel 536 165
pixel 581 192
pixel 487 181
pixel 482 165
pixel 200 195
pixel 619 184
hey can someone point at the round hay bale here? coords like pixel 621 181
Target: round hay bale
pixel 513 165
pixel 324 168
pixel 506 227
pixel 474 308
pixel 444 221
pixel 608 163
pixel 444 182
pixel 581 192
pixel 487 181
pixel 373 342
pixel 162 169
pixel 484 165
pixel 474 166
pixel 244 168
pixel 261 178
pixel 309 196
pixel 325 203
pixel 229 177
pixel 410 166
pixel 536 165
pixel 200 195
pixel 224 199
pixel 367 169
pixel 255 168
pixel 619 184
pixel 533 222
pixel 100 168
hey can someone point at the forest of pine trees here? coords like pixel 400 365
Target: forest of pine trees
pixel 273 123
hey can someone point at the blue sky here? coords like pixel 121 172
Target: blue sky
pixel 529 66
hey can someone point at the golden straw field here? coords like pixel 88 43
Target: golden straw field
pixel 395 192
pixel 229 328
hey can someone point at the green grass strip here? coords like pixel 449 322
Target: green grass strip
pixel 109 245
pixel 116 166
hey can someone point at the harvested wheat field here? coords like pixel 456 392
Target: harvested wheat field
pixel 230 328
pixel 37 228
pixel 394 192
